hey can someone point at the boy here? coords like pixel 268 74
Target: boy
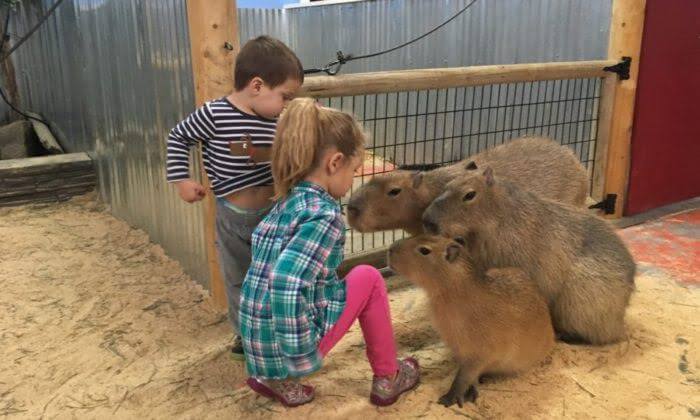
pixel 237 132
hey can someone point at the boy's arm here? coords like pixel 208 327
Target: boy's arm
pixel 297 267
pixel 198 126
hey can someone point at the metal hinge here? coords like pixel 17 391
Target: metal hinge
pixel 607 205
pixel 622 68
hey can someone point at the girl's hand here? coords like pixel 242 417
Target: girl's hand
pixel 190 190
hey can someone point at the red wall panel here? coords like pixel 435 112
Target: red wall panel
pixel 665 161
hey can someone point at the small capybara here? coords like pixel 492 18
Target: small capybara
pixel 495 321
pixel 397 200
pixel 579 263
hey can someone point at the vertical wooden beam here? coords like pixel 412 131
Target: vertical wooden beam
pixel 214 43
pixel 605 119
pixel 626 28
pixel 7 67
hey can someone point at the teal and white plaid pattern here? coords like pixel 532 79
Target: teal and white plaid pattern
pixel 292 295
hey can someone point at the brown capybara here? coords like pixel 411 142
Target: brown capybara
pixel 579 263
pixel 397 200
pixel 495 321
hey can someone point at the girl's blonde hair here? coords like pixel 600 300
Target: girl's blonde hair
pixel 304 131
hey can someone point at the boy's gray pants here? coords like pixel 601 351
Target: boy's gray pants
pixel 233 236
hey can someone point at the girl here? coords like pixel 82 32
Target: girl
pixel 294 309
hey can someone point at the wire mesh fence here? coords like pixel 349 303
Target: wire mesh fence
pixel 442 126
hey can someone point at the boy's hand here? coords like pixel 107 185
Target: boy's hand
pixel 190 191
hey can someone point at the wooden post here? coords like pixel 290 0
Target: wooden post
pixel 626 28
pixel 214 43
pixel 8 73
pixel 605 115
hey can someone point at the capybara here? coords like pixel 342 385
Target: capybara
pixel 397 200
pixel 579 263
pixel 495 321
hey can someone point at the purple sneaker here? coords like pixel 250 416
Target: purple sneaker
pixel 386 391
pixel 289 393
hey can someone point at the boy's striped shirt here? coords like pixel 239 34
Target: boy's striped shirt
pixel 226 134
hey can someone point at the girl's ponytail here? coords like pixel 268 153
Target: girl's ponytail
pixel 304 131
pixel 296 141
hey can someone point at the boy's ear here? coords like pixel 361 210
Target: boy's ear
pixel 256 84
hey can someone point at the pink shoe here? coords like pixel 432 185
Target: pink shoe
pixel 289 393
pixel 386 391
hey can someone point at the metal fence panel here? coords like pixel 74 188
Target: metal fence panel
pixel 443 126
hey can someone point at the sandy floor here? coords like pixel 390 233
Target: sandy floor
pixel 96 322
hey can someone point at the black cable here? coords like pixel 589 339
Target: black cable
pixel 34 29
pixel 4 98
pixel 333 67
pixel 6 31
pixel 464 9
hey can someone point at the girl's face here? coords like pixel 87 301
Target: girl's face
pixel 341 170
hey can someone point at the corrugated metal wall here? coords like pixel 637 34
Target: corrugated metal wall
pixel 490 32
pixel 115 76
pixel 4 112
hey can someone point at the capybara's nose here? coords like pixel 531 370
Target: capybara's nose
pixel 352 210
pixel 429 226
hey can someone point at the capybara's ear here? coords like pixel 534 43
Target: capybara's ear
pixel 452 252
pixel 488 174
pixel 471 166
pixel 417 179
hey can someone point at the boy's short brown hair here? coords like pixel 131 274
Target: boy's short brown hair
pixel 269 59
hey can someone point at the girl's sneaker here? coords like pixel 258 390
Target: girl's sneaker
pixel 289 393
pixel 385 391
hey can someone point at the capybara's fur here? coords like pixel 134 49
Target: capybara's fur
pixel 495 321
pixel 579 263
pixel 397 200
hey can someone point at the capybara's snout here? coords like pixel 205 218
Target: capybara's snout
pixel 430 225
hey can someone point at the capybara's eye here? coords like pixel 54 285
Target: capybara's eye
pixel 423 250
pixel 469 196
pixel 471 166
pixel 394 192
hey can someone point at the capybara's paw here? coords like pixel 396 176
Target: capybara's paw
pixel 471 394
pixel 572 339
pixel 486 378
pixel 451 398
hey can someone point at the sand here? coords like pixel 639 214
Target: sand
pixel 97 322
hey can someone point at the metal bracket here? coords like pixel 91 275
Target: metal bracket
pixel 607 205
pixel 333 67
pixel 622 68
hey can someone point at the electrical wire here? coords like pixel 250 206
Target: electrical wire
pixel 333 67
